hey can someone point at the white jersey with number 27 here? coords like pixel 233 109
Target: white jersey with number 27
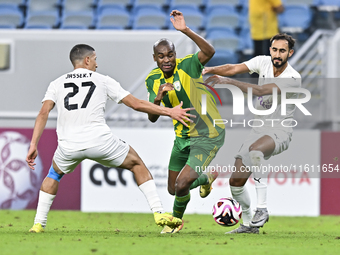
pixel 80 97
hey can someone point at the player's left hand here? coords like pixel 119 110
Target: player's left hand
pixel 181 115
pixel 216 79
pixel 178 20
pixel 31 155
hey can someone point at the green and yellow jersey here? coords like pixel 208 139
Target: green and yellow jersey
pixel 187 81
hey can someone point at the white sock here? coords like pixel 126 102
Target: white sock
pixel 257 158
pixel 261 192
pixel 150 192
pixel 44 204
pixel 241 195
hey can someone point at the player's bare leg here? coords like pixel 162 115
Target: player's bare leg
pixel 48 191
pixel 172 176
pixel 147 185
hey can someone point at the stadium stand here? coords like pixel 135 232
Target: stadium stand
pixel 302 17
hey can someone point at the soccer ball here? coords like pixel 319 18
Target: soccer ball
pixel 19 185
pixel 227 212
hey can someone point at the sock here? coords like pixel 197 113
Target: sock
pixel 256 158
pixel 44 204
pixel 261 192
pixel 240 194
pixel 180 205
pixel 149 190
pixel 201 180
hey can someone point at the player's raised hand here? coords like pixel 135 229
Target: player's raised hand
pixel 31 155
pixel 216 79
pixel 178 20
pixel 163 89
pixel 181 115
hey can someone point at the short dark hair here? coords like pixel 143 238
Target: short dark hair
pixel 284 36
pixel 80 51
pixel 163 41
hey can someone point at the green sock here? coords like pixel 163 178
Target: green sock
pixel 201 180
pixel 180 204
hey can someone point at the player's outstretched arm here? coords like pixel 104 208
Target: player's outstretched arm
pixel 226 70
pixel 175 113
pixel 266 89
pixel 39 127
pixel 207 51
pixel 163 89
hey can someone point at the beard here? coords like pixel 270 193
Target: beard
pixel 278 65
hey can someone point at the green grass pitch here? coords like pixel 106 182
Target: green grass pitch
pixel 72 232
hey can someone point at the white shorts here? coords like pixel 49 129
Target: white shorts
pixel 112 153
pixel 280 137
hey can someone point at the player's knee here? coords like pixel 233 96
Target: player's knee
pixel 181 186
pixel 253 148
pixel 171 190
pixel 54 175
pixel 236 182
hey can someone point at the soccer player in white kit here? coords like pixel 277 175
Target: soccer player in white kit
pixel 80 97
pixel 270 139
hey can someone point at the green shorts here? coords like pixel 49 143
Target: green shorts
pixel 197 152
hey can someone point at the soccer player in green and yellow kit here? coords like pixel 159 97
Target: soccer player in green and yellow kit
pixel 180 80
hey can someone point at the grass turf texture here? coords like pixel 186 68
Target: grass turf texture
pixel 71 232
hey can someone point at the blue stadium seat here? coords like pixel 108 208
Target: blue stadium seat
pixel 149 3
pixel 112 17
pixel 149 17
pixel 11 16
pixel 28 26
pixel 225 7
pixel 81 19
pixel 222 57
pixel 43 5
pixel 247 44
pixel 328 5
pixel 17 2
pixel 295 18
pixel 195 2
pixel 224 38
pixel 211 3
pixel 121 3
pixel 42 19
pixel 223 16
pixel 307 2
pixel 244 17
pixel 74 27
pixel 78 5
pixel 193 16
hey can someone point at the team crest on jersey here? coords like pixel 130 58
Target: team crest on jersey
pixel 177 85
